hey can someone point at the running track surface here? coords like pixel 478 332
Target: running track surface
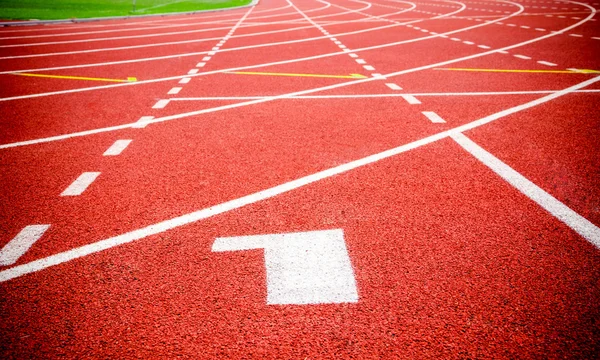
pixel 467 200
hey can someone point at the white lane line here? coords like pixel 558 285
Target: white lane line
pixel 595 38
pixel 502 51
pixel 411 99
pixel 271 98
pixel 193 71
pixel 206 58
pixel 455 39
pixel 578 223
pixel 433 117
pixel 525 27
pixel 211 53
pixel 511 25
pixel 185 80
pixel 200 64
pixel 174 91
pixel 342 46
pixel 160 104
pixel 540 29
pixel 378 76
pixel 142 122
pixel 195 216
pixel 576 35
pixel 19 245
pixel 117 148
pixel 369 67
pixel 393 86
pixel 546 63
pixel 361 61
pixel 522 57
pixel 215 48
pixel 483 46
pixel 468 42
pixel 78 186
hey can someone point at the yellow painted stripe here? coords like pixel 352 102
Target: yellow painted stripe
pixel 583 71
pixel 351 76
pixel 129 79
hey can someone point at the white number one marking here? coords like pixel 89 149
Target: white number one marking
pixel 302 268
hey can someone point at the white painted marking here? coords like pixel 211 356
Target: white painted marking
pixel 193 71
pixel 576 35
pixel 78 186
pixel 578 223
pixel 378 76
pixel 468 42
pixel 433 117
pixel 483 46
pixel 546 63
pixel 302 268
pixel 511 25
pixel 333 39
pixel 540 29
pixel 216 48
pixel 411 99
pixel 595 38
pixel 211 53
pixel 337 42
pixel 143 122
pixel 174 91
pixel 502 51
pixel 360 61
pixel 525 27
pixel 185 80
pixel 19 245
pixel 425 31
pixel 160 104
pixel 369 67
pixel 342 46
pixel 393 86
pixel 206 58
pixel 522 57
pixel 200 64
pixel 455 39
pixel 117 148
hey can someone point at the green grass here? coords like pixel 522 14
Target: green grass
pixel 69 9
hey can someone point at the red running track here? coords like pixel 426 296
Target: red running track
pixel 459 162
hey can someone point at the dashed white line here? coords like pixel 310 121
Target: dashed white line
pixel 174 91
pixel 393 86
pixel 369 67
pixel 185 80
pixel 352 55
pixel 522 57
pixel 578 223
pixel 206 58
pixel 80 184
pixel 19 245
pixel 378 76
pixel 546 63
pixel 211 53
pixel 160 104
pixel 411 99
pixel 483 46
pixel 117 148
pixel 200 64
pixel 576 35
pixel 143 122
pixel 468 42
pixel 433 117
pixel 193 71
pixel 361 61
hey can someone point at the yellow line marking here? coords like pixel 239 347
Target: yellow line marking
pixel 129 79
pixel 582 71
pixel 351 76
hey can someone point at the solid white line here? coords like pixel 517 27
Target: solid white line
pixel 185 80
pixel 411 99
pixel 117 148
pixel 142 122
pixel 393 86
pixel 19 245
pixel 174 91
pixel 169 224
pixel 277 97
pixel 160 104
pixel 369 67
pixel 78 186
pixel 433 117
pixel 546 63
pixel 578 223
pixel 522 57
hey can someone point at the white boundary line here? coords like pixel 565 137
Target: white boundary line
pixel 186 219
pixel 562 212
